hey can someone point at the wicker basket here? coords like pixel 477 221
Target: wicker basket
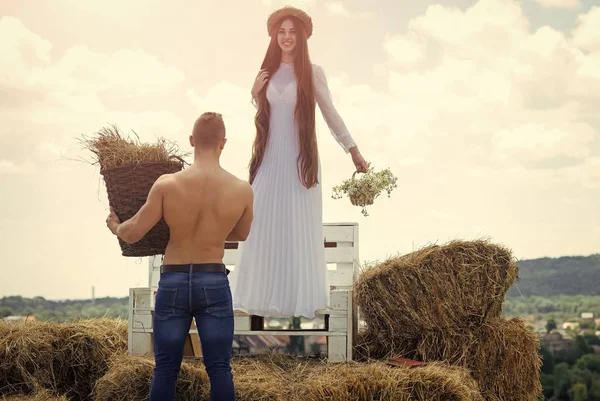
pixel 127 188
pixel 362 198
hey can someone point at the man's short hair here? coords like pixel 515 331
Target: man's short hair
pixel 209 130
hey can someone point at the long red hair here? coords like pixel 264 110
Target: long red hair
pixel 308 162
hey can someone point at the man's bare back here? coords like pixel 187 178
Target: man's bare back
pixel 204 207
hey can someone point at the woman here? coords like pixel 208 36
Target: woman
pixel 281 271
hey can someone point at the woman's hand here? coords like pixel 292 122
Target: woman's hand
pixel 358 160
pixel 259 82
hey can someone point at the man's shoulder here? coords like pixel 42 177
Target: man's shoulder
pixel 241 186
pixel 165 180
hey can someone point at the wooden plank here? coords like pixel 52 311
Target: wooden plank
pixel 196 346
pixel 142 320
pixel 338 300
pixel 339 255
pixel 130 322
pixel 142 299
pixel 340 277
pixel 338 323
pixel 230 257
pixel 141 343
pixel 303 333
pixel 338 233
pixel 350 329
pixel 336 349
pixel 330 312
pixel 241 322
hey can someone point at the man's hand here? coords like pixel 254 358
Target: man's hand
pixel 358 160
pixel 112 221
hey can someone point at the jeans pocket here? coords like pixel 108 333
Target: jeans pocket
pixel 218 300
pixel 164 303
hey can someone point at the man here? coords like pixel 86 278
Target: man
pixel 204 206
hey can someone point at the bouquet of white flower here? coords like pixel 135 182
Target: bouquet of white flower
pixel 363 191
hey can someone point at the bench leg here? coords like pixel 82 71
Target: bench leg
pixel 336 349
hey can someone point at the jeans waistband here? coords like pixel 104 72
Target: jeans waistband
pixel 194 268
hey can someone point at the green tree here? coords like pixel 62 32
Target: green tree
pixel 550 325
pixel 547 361
pixel 592 339
pixel 547 385
pixel 5 311
pixel 562 381
pixel 578 392
pixel 590 362
pixel 587 325
pixel 594 393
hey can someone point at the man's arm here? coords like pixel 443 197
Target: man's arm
pixel 242 227
pixel 150 213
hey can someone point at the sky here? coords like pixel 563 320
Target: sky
pixel 486 111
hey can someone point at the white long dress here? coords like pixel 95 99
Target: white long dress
pixel 281 270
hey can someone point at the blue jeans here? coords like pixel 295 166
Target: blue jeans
pixel 206 297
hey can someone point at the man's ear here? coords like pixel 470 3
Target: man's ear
pixel 192 141
pixel 223 142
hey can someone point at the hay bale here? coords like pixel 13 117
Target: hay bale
pixel 377 381
pixel 285 378
pixel 129 379
pixel 63 358
pixel 451 287
pixel 42 395
pixel 130 168
pixel 503 355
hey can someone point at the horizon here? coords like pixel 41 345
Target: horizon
pixel 127 295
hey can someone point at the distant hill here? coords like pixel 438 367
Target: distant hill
pixel 44 309
pixel 545 277
pixel 568 275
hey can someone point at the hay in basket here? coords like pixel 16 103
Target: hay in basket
pixel 364 190
pixel 130 168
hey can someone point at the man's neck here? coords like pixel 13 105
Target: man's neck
pixel 206 159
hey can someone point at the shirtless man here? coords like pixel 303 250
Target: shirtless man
pixel 203 206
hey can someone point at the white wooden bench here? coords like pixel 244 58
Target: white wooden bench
pixel 341 254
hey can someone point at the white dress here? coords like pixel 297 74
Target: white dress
pixel 281 270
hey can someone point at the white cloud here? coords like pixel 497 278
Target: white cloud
pixel 337 8
pixel 68 95
pixel 535 142
pixel 21 53
pixel 403 50
pixel 559 3
pixel 131 72
pixel 26 63
pixel 444 216
pixel 11 167
pixel 301 4
pixel 587 34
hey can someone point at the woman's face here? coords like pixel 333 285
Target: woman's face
pixel 286 36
